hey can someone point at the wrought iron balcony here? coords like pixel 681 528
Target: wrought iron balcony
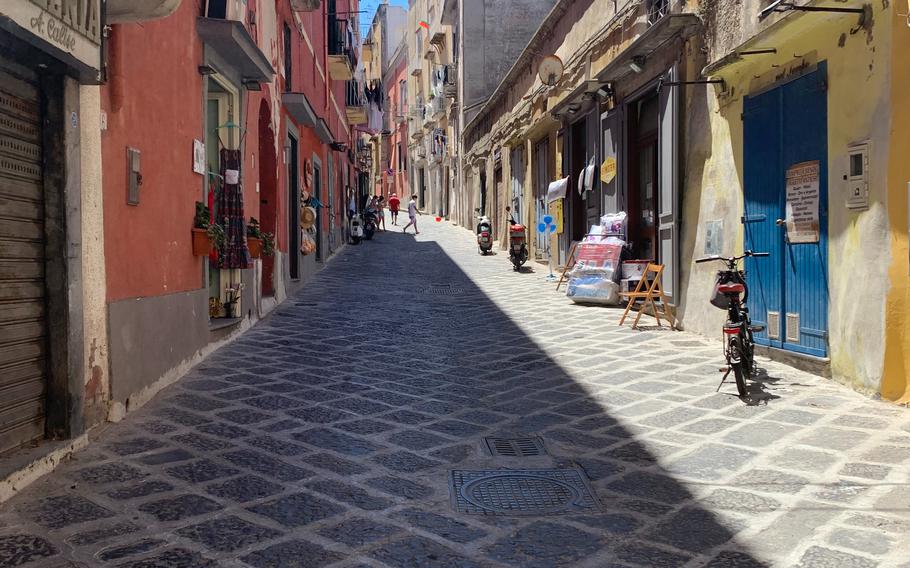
pixel 342 55
pixel 355 103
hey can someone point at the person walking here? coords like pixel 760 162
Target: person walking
pixel 394 205
pixel 380 212
pixel 412 215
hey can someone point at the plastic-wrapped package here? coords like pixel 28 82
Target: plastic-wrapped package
pixel 614 224
pixel 593 290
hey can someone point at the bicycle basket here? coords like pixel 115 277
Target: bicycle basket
pixel 718 300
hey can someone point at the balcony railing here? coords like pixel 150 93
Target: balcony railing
pixel 355 101
pixel 437 107
pixel 341 49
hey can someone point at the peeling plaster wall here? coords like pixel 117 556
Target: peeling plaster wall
pixel 859 107
pixel 97 379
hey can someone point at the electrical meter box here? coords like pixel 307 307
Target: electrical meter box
pixel 857 176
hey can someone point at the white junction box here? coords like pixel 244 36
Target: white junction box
pixel 857 176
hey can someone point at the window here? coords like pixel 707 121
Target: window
pixel 288 59
pixel 402 97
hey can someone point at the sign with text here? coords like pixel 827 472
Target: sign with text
pixel 71 26
pixel 802 202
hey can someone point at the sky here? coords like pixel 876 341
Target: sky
pixel 369 7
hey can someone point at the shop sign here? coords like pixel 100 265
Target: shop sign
pixel 802 202
pixel 72 26
pixel 608 170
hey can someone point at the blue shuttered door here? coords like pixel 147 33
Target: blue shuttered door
pixel 783 127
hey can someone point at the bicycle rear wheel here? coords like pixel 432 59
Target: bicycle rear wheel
pixel 738 364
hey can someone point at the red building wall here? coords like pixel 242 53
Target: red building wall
pixel 147 246
pixel 399 139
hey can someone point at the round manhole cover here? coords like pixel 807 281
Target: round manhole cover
pixel 520 492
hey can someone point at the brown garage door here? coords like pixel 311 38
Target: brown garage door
pixel 23 338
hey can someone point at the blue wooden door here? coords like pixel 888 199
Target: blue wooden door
pixel 783 127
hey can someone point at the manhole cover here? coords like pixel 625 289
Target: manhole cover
pixel 521 492
pixel 515 447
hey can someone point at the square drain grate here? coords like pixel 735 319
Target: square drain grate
pixel 522 492
pixel 515 447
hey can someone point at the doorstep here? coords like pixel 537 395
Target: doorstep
pixel 20 468
pixel 820 366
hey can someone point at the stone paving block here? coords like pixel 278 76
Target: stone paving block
pixel 771 481
pixel 351 494
pixel 200 471
pixel 819 557
pixel 405 462
pixel 641 554
pixel 19 549
pixel 740 501
pixel 365 426
pixel 694 530
pixel 201 443
pixel 167 456
pixel 173 558
pixel 98 535
pixel 141 489
pixel 357 532
pixel 244 488
pixel 420 552
pixel 360 406
pixel 227 534
pixel 445 527
pixel 133 549
pixel 243 416
pixel 196 402
pixel 320 414
pixel 596 469
pixel 736 559
pixel 265 464
pixel 292 554
pixel 417 440
pixel 758 434
pixel 400 487
pixel 135 446
pixel 183 417
pixel 804 459
pixel 64 510
pixel 316 395
pixel 108 473
pixel 660 488
pixel 337 441
pixel 616 523
pixel 543 544
pixel 794 416
pixel 578 439
pixel 866 542
pixel 222 430
pixel 633 452
pixel 887 454
pixel 297 510
pixel 180 507
pixel 455 428
pixel 711 462
pixel 156 427
pixel 791 529
pixel 454 454
pixel 865 470
pixel 277 446
pixel 856 421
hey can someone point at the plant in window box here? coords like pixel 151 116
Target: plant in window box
pixel 259 243
pixel 206 235
pixel 232 296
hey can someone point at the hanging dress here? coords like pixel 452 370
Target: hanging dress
pixel 230 212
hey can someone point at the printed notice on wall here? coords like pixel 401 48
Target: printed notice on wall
pixel 802 202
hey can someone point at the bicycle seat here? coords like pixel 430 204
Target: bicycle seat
pixel 731 288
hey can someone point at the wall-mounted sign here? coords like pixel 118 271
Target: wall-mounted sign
pixel 608 170
pixel 198 157
pixel 802 202
pixel 70 26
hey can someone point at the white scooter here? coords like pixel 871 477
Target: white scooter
pixel 356 229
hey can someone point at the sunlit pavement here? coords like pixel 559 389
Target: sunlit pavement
pixel 329 435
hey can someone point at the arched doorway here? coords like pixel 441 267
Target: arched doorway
pixel 268 192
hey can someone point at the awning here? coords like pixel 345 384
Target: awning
pixel 323 132
pixel 232 42
pixel 665 29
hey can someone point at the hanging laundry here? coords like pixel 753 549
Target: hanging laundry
pixel 235 253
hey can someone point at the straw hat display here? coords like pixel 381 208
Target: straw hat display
pixel 307 217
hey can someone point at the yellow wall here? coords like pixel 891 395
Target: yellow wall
pixel 895 385
pixel 859 94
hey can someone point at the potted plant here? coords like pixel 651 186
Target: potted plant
pixel 259 243
pixel 232 296
pixel 202 244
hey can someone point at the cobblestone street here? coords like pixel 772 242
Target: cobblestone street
pixel 330 435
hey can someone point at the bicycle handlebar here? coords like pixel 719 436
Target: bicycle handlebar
pixel 732 258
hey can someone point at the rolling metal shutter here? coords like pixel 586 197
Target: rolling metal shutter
pixel 23 336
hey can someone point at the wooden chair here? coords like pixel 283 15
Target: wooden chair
pixel 649 289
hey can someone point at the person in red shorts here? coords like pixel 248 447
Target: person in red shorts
pixel 394 206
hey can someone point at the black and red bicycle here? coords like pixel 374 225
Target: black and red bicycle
pixel 731 293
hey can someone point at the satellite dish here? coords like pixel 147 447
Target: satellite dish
pixel 550 70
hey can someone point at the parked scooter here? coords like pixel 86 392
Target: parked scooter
pixel 484 234
pixel 369 224
pixel 518 242
pixel 356 229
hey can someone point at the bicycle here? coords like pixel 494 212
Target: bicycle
pixel 739 348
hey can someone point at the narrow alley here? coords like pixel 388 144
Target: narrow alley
pixel 352 427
